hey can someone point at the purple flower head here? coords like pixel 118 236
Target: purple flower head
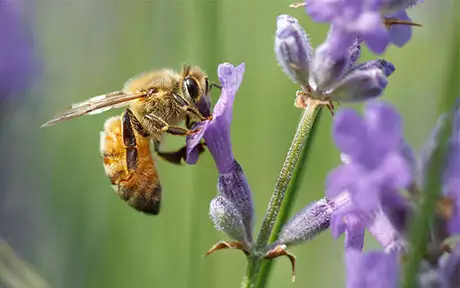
pixel 363 19
pixel 376 169
pixel 16 50
pixel 331 74
pixel 371 269
pixel 216 132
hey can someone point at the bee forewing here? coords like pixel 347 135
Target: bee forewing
pixel 96 105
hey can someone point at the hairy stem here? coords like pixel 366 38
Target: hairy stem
pixel 299 143
pixel 286 205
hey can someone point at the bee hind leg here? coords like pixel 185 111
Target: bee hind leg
pixel 129 139
pixel 176 157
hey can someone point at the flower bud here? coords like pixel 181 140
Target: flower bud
pixel 306 224
pixel 227 218
pixel 360 85
pixel 293 49
pixel 234 187
pixel 386 66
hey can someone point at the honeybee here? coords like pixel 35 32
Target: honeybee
pixel 158 102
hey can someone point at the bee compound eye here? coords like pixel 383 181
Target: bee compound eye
pixel 192 87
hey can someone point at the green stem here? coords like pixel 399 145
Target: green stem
pixel 287 204
pixel 298 144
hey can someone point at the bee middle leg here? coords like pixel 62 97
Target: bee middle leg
pixel 161 125
pixel 176 157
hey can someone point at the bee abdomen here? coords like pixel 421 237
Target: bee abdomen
pixel 147 201
pixel 139 187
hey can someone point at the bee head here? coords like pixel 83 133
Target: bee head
pixel 195 83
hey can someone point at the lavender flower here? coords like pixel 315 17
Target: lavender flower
pixel 16 51
pixel 377 169
pixel 363 19
pixel 331 73
pixel 232 209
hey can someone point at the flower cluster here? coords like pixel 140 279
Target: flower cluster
pixel 380 183
pixel 330 73
pixel 16 50
pixel 377 22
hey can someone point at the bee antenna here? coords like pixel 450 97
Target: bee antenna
pixel 215 85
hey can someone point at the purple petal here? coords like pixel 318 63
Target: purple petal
pixel 323 10
pixel 193 141
pixel 385 233
pixel 354 236
pixel 349 132
pixel 384 125
pixel 400 34
pixel 217 131
pixel 372 269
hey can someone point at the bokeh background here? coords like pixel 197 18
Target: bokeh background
pixel 57 209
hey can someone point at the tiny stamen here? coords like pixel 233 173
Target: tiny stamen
pixel 388 22
pixel 278 251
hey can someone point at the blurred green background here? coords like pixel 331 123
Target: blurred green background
pixel 59 211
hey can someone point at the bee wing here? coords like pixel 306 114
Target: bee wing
pixel 96 105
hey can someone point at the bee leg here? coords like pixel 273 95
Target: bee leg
pixel 176 157
pixel 129 139
pixel 189 109
pixel 173 130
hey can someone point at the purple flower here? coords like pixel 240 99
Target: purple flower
pixel 376 169
pixel 216 132
pixel 372 269
pixel 331 74
pixel 232 209
pixel 363 19
pixel 16 50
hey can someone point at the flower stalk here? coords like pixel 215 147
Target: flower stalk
pixel 299 143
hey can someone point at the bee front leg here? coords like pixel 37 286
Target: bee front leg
pixel 161 125
pixel 189 109
pixel 176 157
pixel 129 139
